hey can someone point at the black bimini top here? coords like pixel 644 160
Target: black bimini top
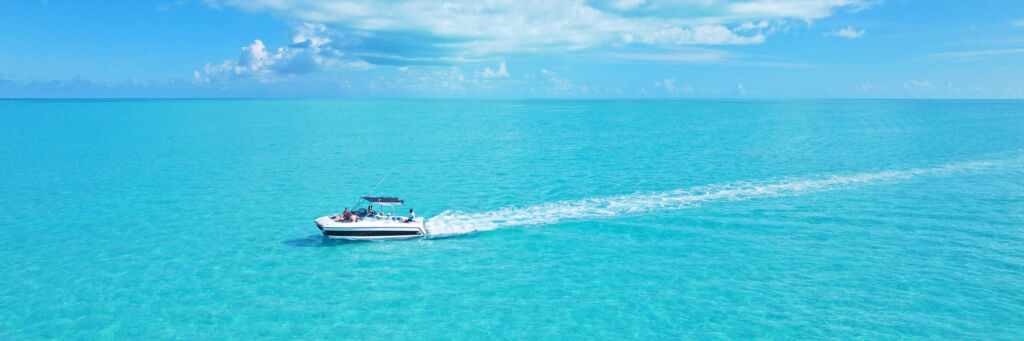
pixel 384 200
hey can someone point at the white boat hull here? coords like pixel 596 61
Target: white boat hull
pixel 371 228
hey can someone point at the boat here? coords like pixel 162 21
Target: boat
pixel 373 225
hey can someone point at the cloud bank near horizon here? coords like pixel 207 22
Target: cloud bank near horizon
pixel 505 49
pixel 337 34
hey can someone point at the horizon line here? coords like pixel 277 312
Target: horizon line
pixel 522 98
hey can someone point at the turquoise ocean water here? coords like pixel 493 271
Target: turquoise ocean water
pixel 548 219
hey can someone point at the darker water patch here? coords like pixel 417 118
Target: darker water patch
pixel 314 240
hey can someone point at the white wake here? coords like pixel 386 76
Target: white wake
pixel 451 223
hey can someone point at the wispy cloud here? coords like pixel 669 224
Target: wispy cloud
pixel 559 85
pixel 1018 22
pixel 694 56
pixel 976 53
pixel 169 6
pixel 866 87
pixel 848 32
pixel 780 64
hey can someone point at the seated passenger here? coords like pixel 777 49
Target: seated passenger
pixel 349 216
pixel 412 216
pixel 343 216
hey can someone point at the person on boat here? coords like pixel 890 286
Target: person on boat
pixel 342 217
pixel 369 211
pixel 412 216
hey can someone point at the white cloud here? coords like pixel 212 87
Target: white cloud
pixel 803 9
pixel 428 79
pixel 866 87
pixel 489 73
pixel 669 84
pixel 474 28
pixel 345 34
pixel 747 26
pixel 917 86
pixel 625 5
pixel 1018 22
pixel 451 78
pixel 848 32
pixel 740 88
pixel 703 34
pixel 311 50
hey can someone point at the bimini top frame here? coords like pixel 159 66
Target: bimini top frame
pixel 388 201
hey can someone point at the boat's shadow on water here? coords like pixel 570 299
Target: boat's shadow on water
pixel 317 240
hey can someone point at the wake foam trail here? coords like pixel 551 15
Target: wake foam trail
pixel 452 223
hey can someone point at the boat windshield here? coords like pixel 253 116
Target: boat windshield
pixel 363 212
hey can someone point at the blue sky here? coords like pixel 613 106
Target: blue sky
pixel 513 49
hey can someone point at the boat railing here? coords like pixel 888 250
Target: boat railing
pixel 396 219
